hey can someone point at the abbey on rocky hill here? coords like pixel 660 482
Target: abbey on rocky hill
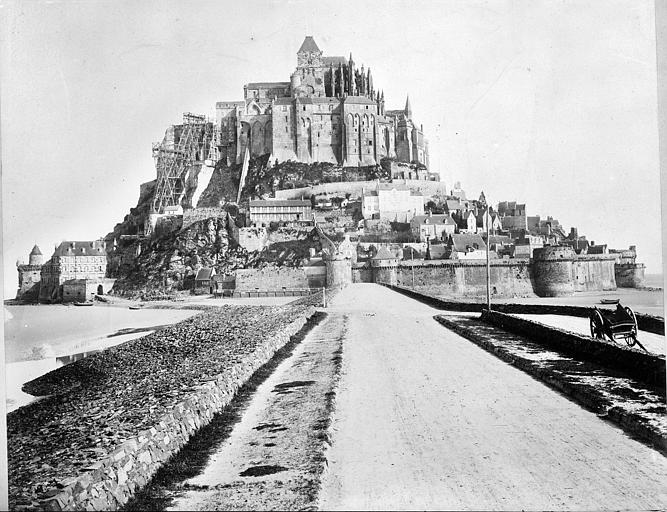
pixel 329 111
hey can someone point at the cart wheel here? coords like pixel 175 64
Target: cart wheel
pixel 634 319
pixel 596 325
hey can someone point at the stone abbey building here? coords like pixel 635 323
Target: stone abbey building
pixel 329 111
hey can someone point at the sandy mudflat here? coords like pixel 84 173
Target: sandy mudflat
pixel 36 335
pixel 641 301
pixel 653 342
pixel 38 332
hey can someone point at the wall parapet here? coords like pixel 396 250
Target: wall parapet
pixel 645 322
pixel 648 368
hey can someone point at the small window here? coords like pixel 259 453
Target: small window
pixel 304 108
pixel 286 120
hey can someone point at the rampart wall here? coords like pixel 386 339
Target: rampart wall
pixel 427 188
pixel 271 278
pixel 557 273
pixel 455 278
pixel 629 275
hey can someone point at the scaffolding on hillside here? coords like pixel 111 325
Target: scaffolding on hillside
pixel 174 159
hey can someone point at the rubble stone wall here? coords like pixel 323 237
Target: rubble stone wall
pixel 109 483
pixel 271 278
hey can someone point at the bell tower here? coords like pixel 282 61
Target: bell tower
pixel 308 79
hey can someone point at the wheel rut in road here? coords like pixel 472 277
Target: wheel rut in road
pixel 425 419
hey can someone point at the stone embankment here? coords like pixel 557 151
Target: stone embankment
pixel 111 420
pixel 635 402
pixel 648 323
pixel 645 367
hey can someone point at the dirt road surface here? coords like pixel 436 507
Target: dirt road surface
pixel 427 420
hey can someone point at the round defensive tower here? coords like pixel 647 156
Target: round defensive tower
pixel 36 257
pixel 553 271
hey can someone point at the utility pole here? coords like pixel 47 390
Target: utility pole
pixel 412 250
pixel 488 262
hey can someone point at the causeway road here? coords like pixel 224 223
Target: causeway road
pixel 425 419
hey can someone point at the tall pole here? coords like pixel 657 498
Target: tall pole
pixel 488 264
pixel 412 250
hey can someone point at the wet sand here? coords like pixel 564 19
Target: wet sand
pixel 641 301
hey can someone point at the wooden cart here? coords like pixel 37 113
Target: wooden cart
pixel 617 324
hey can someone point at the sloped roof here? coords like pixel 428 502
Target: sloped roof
pixel 80 248
pixel 362 100
pixel 279 202
pixel 438 218
pixel 204 274
pixel 384 254
pixel 453 204
pixel 465 242
pixel 334 61
pixel 309 45
pixel 35 251
pixel 269 85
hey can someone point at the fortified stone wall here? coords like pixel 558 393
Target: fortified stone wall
pixel 361 273
pixel 460 279
pixel 339 272
pixel 629 275
pixel 594 273
pixel 427 188
pixel 551 276
pixel 271 278
pixel 29 278
pixel 553 271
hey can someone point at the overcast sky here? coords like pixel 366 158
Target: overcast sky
pixel 550 103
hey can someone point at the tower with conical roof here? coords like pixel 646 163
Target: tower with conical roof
pixel 408 108
pixel 36 257
pixel 30 275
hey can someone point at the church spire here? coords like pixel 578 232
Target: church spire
pixel 408 108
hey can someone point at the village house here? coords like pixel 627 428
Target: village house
pixel 264 211
pixel 502 245
pixel 432 226
pixel 392 202
pixel 495 225
pixel 204 281
pixel 76 271
pixel 525 245
pixel 466 222
pixel 512 215
pixel 578 243
pixel 466 246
